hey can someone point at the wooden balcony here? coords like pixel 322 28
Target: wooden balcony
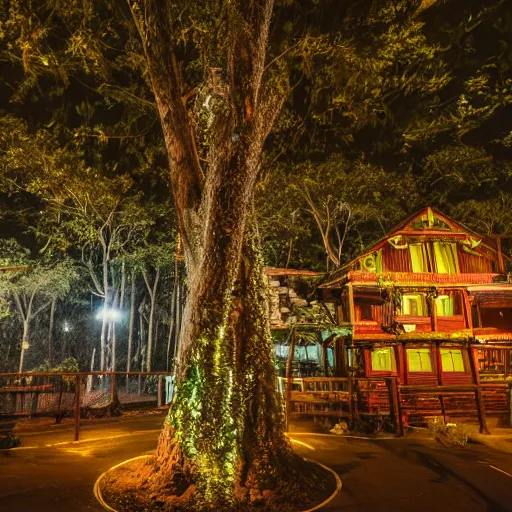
pixel 419 278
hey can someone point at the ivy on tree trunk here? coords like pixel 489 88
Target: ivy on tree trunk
pixel 224 431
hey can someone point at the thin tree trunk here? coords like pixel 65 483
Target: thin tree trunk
pixel 114 341
pixel 179 316
pixel 50 330
pixel 152 296
pixel 172 319
pixel 89 377
pixel 106 305
pixel 142 347
pixel 155 344
pixel 130 325
pixel 108 345
pixel 103 336
pixel 123 285
pixel 24 341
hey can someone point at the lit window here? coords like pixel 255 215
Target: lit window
pixel 419 360
pixel 446 258
pixel 383 360
pixel 444 305
pixel 418 260
pixel 413 304
pixel 451 360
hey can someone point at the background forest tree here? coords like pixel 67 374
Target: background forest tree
pixel 387 107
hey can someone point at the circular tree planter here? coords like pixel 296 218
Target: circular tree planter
pixel 121 489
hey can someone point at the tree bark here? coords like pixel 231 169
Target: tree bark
pixel 130 324
pixel 151 320
pixel 50 330
pixel 172 315
pixel 224 430
pixel 24 340
pixel 113 331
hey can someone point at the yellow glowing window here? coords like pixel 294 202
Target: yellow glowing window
pixel 413 304
pixel 451 360
pixel 419 360
pixel 419 263
pixel 445 305
pixel 383 360
pixel 446 258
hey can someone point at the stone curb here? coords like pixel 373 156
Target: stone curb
pixel 106 506
pixel 492 442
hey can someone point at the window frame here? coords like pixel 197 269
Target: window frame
pixel 418 349
pixel 441 248
pixel 421 298
pixel 462 359
pixel 394 365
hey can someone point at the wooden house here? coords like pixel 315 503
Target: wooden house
pixel 430 304
pixel 302 327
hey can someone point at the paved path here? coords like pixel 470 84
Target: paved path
pixel 378 475
pixel 417 475
pixel 61 478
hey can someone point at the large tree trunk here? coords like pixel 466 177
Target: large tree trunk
pixel 224 430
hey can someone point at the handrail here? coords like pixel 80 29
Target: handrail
pixel 69 374
pixel 438 389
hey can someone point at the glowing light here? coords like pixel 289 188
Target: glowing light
pixel 109 314
pixel 66 327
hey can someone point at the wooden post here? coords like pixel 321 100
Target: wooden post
pixel 510 404
pixel 77 407
pixel 351 305
pixel 394 404
pixel 434 315
pixel 160 401
pixel 355 393
pixel 113 389
pixel 474 365
pixel 480 407
pixel 501 266
pixel 481 411
pixel 468 310
pixel 289 379
pixel 350 399
pixel 339 357
pixel 58 419
pixel 439 365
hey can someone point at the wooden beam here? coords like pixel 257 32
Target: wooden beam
pixel 289 378
pixel 351 305
pixel 478 393
pixel 434 314
pixel 501 265
pixel 394 400
pixel 467 310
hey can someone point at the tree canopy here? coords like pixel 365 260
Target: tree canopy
pixel 309 125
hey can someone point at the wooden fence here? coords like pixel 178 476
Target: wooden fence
pixel 78 393
pixel 355 398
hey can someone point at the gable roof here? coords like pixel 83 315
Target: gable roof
pixel 428 221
